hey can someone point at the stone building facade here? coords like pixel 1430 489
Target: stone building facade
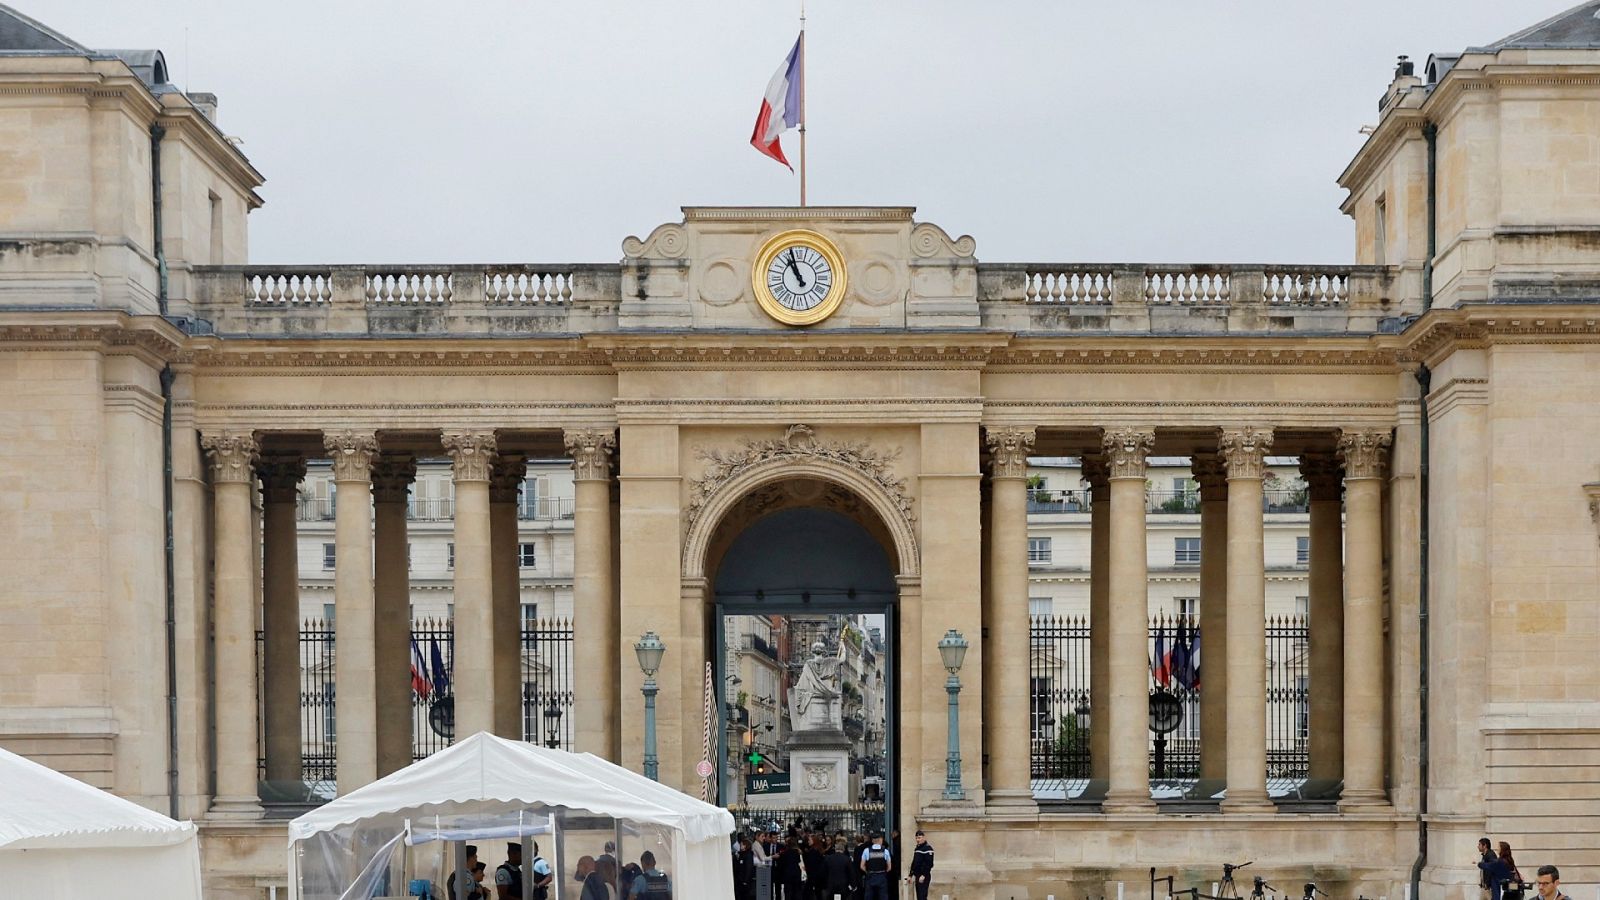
pixel 161 400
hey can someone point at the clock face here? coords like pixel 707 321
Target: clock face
pixel 798 277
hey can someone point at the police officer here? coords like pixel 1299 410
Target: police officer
pixel 921 866
pixel 875 864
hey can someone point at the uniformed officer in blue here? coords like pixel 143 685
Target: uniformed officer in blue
pixel 921 866
pixel 875 862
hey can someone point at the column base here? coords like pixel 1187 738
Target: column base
pixel 1011 802
pixel 1363 801
pixel 235 808
pixel 1127 804
pixel 1253 803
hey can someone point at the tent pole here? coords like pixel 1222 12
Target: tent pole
pixel 559 838
pixel 463 877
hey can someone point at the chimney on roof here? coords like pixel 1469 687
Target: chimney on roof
pixel 206 103
pixel 1404 67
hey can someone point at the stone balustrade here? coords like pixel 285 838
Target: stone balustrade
pixel 1023 297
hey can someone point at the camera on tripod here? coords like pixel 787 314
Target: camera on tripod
pixel 1311 891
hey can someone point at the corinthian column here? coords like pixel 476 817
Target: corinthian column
pixel 473 684
pixel 392 475
pixel 1244 451
pixel 1365 455
pixel 505 483
pixel 1325 629
pixel 594 605
pixel 355 682
pixel 1097 474
pixel 232 477
pixel 1006 733
pixel 1128 588
pixel 1212 474
pixel 280 616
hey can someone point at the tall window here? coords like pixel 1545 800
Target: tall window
pixel 1186 551
pixel 528 555
pixel 1188 608
pixel 1302 606
pixel 451 561
pixel 1302 550
pixel 1380 231
pixel 328 721
pixel 1041 606
pixel 327 557
pixel 530 615
pixel 1038 551
pixel 1185 486
pixel 528 503
pixel 216 228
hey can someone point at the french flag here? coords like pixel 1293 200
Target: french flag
pixel 780 108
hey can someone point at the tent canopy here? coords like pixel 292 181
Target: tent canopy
pixel 42 809
pixel 488 768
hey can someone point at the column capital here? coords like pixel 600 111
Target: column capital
pixel 233 455
pixel 280 476
pixel 352 453
pixel 1364 452
pixel 1008 451
pixel 1244 450
pixel 1126 450
pixel 1321 470
pixel 392 475
pixel 590 449
pixel 506 477
pixel 1097 474
pixel 1211 472
pixel 471 452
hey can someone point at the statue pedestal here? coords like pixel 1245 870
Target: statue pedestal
pixel 819 768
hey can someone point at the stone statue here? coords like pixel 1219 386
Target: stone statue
pixel 815 701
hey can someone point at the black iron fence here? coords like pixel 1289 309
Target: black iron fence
pixel 1062 718
pixel 853 819
pixel 547 696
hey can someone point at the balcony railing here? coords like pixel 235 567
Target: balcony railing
pixel 442 509
pixel 582 298
pixel 1050 502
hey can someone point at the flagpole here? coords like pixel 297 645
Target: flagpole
pixel 802 102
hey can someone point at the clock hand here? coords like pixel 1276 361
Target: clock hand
pixel 793 266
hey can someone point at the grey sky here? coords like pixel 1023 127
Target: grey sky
pixel 494 130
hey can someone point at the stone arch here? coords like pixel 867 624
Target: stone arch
pixel 724 496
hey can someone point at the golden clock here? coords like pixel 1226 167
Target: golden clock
pixel 798 277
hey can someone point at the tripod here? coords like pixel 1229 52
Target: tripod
pixel 1228 889
pixel 1258 893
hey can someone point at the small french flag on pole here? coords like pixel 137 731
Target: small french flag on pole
pixel 780 108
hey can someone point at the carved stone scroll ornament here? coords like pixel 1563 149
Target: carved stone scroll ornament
pixel 233 456
pixel 352 453
pixel 591 451
pixel 280 477
pixel 1126 450
pixel 472 453
pixel 799 443
pixel 1365 453
pixel 506 477
pixel 1244 450
pixel 392 475
pixel 1008 451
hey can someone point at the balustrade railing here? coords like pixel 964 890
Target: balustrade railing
pixel 1070 285
pixel 1316 286
pixel 287 287
pixel 1051 502
pixel 527 286
pixel 1187 286
pixel 408 287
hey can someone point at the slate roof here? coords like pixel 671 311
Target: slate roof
pixel 20 34
pixel 1577 28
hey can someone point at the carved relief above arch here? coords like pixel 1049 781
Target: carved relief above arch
pixel 754 474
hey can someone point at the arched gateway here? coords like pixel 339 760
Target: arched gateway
pixel 803 542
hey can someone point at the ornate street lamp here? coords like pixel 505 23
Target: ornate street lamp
pixel 953 652
pixel 649 650
pixel 552 724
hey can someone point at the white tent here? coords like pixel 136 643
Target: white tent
pixel 485 786
pixel 61 839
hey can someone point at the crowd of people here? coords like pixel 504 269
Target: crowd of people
pixel 1500 879
pixel 600 877
pixel 807 862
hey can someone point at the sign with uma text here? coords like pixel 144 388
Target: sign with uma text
pixel 775 783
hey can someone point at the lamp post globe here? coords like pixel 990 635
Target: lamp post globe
pixel 649 649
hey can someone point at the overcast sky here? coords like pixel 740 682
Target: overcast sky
pixel 533 131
